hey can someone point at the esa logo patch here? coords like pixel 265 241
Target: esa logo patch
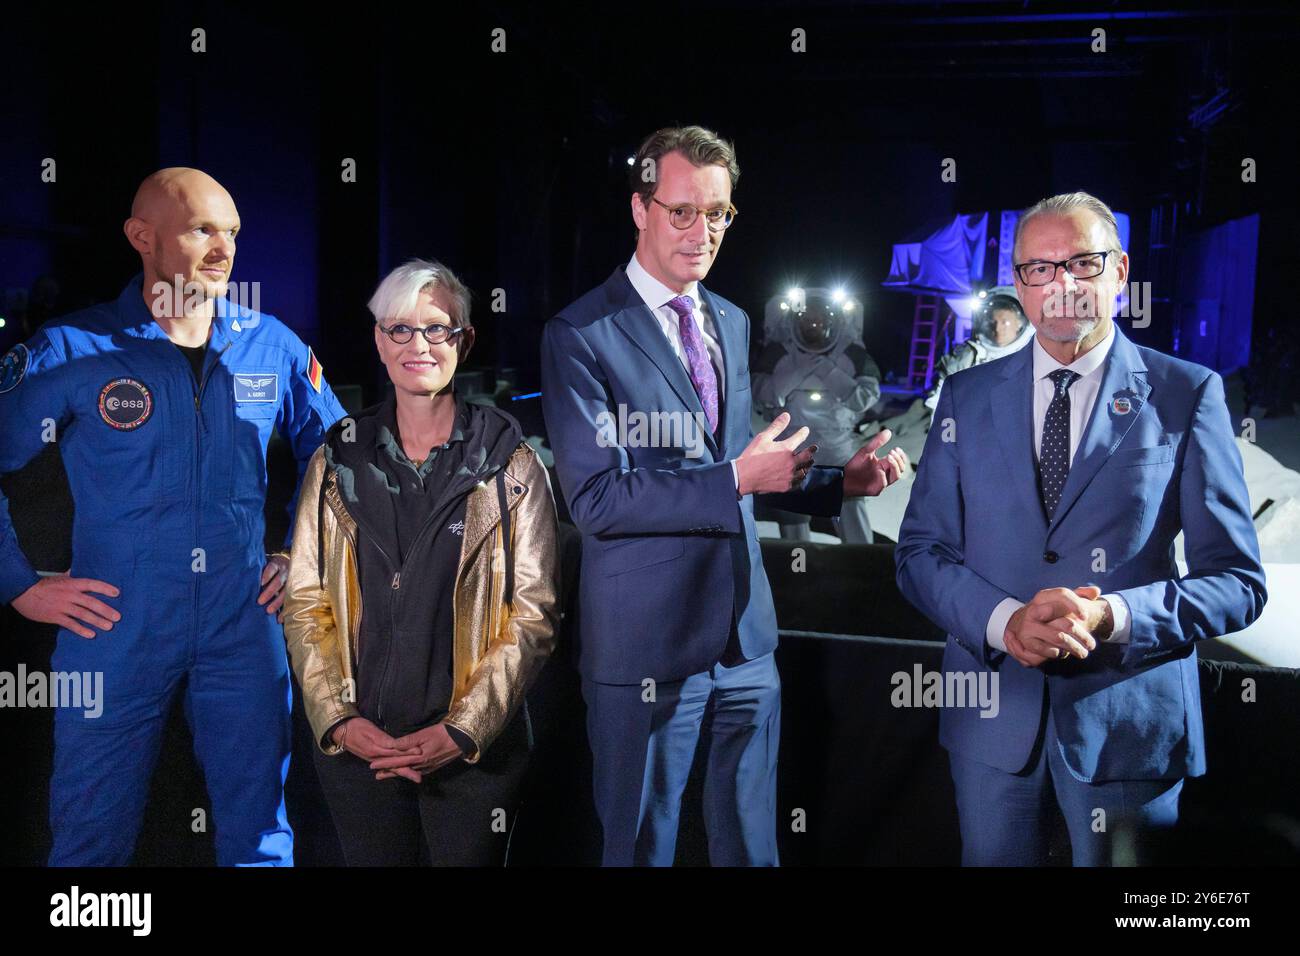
pixel 257 386
pixel 125 404
pixel 13 367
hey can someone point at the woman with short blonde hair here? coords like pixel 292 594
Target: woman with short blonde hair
pixel 422 596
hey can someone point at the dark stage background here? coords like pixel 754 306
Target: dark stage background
pixel 511 167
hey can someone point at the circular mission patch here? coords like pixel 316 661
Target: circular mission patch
pixel 13 367
pixel 125 404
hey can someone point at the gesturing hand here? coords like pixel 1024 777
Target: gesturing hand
pixel 430 748
pixel 866 475
pixel 67 602
pixel 772 464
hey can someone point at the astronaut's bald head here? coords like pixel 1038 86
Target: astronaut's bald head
pixel 183 223
pixel 165 192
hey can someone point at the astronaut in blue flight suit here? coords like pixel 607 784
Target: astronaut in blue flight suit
pixel 162 406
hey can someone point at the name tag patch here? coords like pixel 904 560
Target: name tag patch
pixel 257 387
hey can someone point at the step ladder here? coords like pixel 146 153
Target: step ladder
pixel 927 325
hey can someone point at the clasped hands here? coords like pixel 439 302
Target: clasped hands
pixel 412 756
pixel 1058 623
pixel 773 464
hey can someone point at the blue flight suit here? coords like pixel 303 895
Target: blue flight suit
pixel 169 483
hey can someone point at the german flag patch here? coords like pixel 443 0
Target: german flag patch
pixel 314 370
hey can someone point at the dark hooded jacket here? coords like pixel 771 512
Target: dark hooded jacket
pixel 410 523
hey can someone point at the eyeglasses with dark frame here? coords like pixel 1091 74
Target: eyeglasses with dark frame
pixel 682 215
pixel 1086 265
pixel 402 333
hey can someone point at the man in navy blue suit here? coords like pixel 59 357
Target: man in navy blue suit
pixel 646 395
pixel 1040 535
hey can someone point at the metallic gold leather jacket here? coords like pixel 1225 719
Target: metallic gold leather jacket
pixel 498 649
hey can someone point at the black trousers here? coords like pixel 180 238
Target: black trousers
pixel 461 814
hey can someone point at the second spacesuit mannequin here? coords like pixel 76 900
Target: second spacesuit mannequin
pixel 998 329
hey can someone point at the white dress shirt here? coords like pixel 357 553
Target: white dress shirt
pixel 656 295
pixel 1083 396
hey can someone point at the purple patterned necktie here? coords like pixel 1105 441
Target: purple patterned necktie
pixel 703 377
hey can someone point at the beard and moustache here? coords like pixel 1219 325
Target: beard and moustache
pixel 1082 318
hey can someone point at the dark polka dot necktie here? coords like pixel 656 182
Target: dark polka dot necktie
pixel 1054 452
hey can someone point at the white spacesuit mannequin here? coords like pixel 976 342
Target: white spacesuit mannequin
pixel 999 328
pixel 815 367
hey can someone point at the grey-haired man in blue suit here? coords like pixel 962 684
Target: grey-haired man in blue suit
pixel 1040 535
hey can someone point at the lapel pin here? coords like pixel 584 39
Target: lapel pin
pixel 1121 405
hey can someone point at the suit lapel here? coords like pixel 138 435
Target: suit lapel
pixel 1125 380
pixel 639 324
pixel 1013 417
